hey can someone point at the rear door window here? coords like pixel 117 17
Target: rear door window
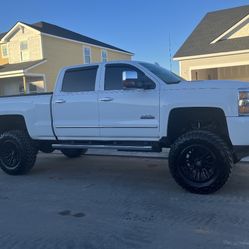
pixel 79 79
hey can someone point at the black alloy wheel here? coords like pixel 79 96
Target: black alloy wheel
pixel 200 161
pixel 17 152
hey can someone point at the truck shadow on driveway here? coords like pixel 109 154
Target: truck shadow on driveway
pixel 151 173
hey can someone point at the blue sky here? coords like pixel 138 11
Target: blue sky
pixel 139 26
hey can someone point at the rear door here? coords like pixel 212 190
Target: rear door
pixel 75 105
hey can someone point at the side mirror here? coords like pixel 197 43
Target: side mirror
pixel 130 80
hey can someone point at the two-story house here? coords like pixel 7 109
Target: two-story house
pixel 32 54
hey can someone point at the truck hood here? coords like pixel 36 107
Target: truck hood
pixel 214 84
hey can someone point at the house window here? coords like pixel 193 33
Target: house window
pixel 87 55
pixel 104 55
pixel 24 50
pixel 4 49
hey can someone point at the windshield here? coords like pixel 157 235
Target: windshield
pixel 162 73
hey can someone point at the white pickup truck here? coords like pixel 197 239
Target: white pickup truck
pixel 137 106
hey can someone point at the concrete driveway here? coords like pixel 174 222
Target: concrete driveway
pixel 99 202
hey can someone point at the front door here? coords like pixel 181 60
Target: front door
pixel 127 113
pixel 75 107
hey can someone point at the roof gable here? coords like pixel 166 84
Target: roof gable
pixel 2 35
pixel 240 29
pixel 207 36
pixel 15 29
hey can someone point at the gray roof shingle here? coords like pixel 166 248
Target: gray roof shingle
pixel 18 66
pixel 55 30
pixel 211 27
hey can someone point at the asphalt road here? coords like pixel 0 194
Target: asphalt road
pixel 98 202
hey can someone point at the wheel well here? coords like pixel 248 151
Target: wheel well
pixel 12 122
pixel 182 120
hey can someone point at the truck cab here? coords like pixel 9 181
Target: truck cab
pixel 119 102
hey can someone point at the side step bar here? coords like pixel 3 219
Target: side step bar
pixel 115 147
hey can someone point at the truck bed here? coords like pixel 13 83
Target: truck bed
pixel 34 108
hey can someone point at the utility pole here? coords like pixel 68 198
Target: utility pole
pixel 170 53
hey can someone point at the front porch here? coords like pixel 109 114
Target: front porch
pixel 15 79
pixel 21 85
pixel 240 73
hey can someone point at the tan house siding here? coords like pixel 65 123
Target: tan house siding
pixel 95 54
pixel 34 45
pixel 113 56
pixel 60 53
pixel 3 60
pixel 187 66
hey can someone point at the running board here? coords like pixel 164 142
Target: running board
pixel 115 147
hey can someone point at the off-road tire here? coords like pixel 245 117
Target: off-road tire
pixel 17 152
pixel 217 150
pixel 73 153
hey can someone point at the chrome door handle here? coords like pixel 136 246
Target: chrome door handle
pixel 60 101
pixel 106 99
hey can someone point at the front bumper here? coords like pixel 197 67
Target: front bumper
pixel 238 128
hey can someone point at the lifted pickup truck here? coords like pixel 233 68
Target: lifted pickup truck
pixel 132 106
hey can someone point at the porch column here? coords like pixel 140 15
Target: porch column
pixel 24 84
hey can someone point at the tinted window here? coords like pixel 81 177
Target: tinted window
pixel 79 80
pixel 113 76
pixel 162 73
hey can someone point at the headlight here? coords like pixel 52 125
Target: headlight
pixel 244 103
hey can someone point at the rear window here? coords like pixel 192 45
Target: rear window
pixel 79 79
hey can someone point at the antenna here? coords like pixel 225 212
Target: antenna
pixel 170 53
